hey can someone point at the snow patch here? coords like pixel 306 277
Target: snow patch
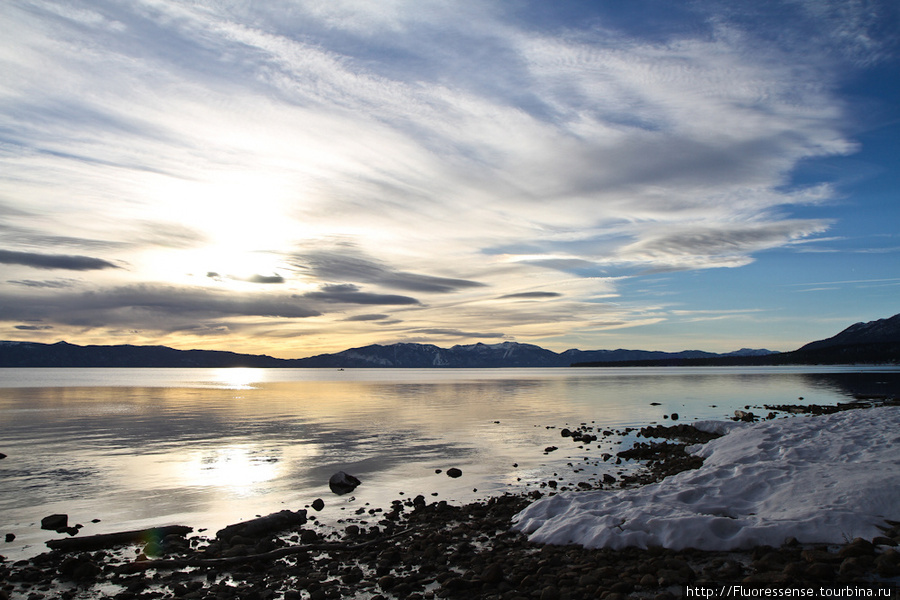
pixel 824 479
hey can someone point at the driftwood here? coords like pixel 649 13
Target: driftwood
pixel 106 540
pixel 180 563
pixel 263 525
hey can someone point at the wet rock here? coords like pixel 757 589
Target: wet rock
pixel 255 528
pixel 745 416
pixel 858 547
pixel 387 582
pixel 343 483
pixel 551 592
pixel 454 472
pixel 888 563
pixel 492 574
pixel 318 504
pixel 10 537
pixel 55 522
pixel 820 571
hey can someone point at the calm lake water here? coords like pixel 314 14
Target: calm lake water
pixel 209 447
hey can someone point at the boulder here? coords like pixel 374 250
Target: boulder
pixel 454 472
pixel 318 504
pixel 55 522
pixel 343 483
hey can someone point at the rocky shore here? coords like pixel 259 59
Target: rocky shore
pixel 415 549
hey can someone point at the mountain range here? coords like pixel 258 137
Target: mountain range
pixel 873 342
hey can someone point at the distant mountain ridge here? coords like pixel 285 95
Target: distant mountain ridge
pixel 400 355
pixel 480 355
pixel 876 342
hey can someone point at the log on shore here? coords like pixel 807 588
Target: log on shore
pixel 107 540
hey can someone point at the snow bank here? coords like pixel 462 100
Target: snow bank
pixel 821 479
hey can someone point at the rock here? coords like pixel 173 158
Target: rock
pixel 454 472
pixel 2 456
pixel 308 536
pixel 888 564
pixel 674 416
pixel 550 449
pixel 343 483
pixel 550 593
pixel 820 571
pixel 492 574
pixel 10 537
pixel 745 416
pixel 858 547
pixel 55 522
pixel 255 528
pixel 318 504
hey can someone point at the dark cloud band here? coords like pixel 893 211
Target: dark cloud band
pixel 55 261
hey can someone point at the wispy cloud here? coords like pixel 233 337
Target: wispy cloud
pixel 68 262
pixel 315 159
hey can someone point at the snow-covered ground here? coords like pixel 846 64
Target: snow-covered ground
pixel 821 479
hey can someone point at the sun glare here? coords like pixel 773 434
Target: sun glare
pixel 242 221
pixel 239 468
pixel 238 378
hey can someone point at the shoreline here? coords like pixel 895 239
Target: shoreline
pixel 437 550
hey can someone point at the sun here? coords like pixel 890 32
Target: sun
pixel 243 223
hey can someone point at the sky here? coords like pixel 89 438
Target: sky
pixel 298 177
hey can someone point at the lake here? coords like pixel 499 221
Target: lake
pixel 134 448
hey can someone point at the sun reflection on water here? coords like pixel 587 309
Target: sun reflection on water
pixel 240 468
pixel 238 378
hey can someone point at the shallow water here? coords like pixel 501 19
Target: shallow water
pixel 209 447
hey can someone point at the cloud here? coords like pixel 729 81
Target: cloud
pixel 349 264
pixel 47 283
pixel 148 305
pixel 704 246
pixel 531 295
pixel 368 317
pixel 33 237
pixel 265 279
pixel 55 261
pixel 171 235
pixel 261 279
pixel 351 294
pixel 33 327
pixel 458 333
pixel 457 154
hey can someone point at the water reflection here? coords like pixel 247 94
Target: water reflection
pixel 210 447
pixel 239 378
pixel 238 467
